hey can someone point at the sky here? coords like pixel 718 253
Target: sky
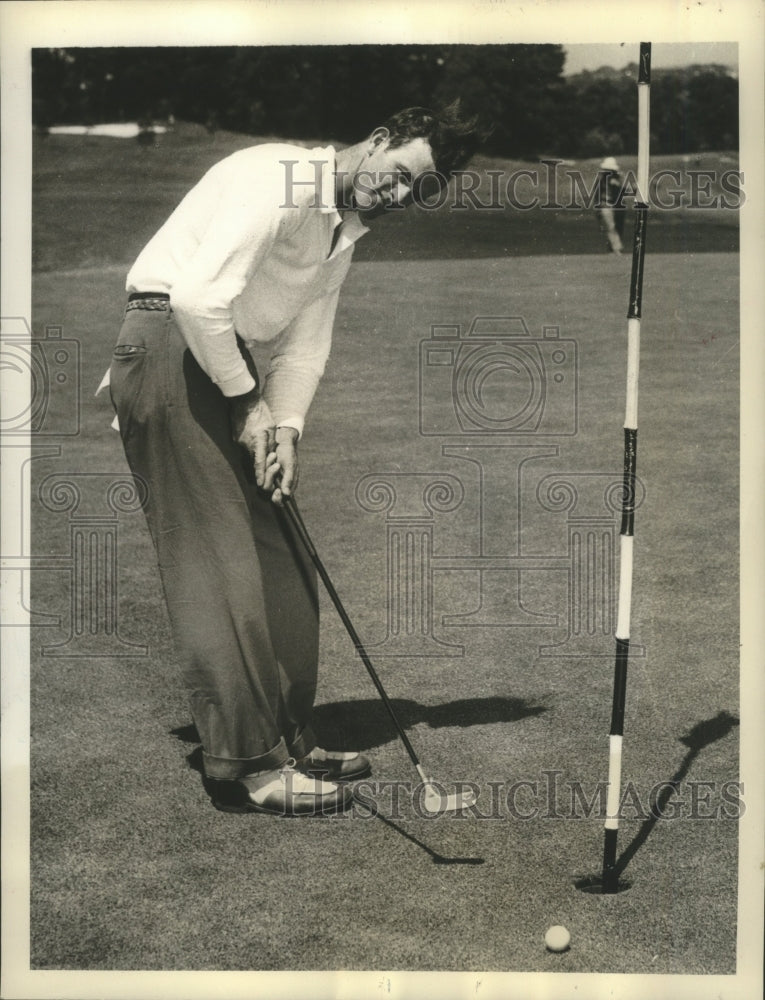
pixel 663 56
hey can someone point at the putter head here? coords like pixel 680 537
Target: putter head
pixel 436 802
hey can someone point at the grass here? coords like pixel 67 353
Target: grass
pixel 133 869
pixel 99 200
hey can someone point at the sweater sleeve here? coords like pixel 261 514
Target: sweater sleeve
pixel 240 233
pixel 298 362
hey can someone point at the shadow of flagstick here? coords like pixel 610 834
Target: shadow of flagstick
pixel 701 736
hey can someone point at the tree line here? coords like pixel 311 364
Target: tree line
pixel 341 92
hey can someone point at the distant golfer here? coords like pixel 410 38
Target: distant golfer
pixel 610 203
pixel 255 253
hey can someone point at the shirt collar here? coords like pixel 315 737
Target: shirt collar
pixel 328 200
pixel 352 228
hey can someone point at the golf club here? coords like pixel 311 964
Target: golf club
pixel 434 801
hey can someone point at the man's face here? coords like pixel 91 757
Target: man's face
pixel 386 177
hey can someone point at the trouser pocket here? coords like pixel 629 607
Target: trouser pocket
pixel 136 380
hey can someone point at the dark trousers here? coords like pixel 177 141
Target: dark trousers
pixel 241 592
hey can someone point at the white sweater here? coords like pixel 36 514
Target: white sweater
pixel 247 252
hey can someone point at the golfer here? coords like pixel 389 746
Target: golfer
pixel 610 203
pixel 255 253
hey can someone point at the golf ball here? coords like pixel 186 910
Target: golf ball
pixel 557 938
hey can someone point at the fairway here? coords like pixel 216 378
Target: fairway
pixel 132 868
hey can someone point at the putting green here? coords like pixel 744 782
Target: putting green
pixel 131 866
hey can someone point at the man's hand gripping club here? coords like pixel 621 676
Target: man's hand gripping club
pixel 273 449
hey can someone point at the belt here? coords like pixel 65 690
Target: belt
pixel 153 301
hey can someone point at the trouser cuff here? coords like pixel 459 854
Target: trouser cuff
pixel 231 768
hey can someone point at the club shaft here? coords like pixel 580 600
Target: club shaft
pixel 297 521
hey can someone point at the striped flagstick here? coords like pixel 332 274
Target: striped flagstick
pixel 610 874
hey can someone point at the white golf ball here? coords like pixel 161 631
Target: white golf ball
pixel 557 938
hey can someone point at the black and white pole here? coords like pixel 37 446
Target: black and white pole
pixel 610 873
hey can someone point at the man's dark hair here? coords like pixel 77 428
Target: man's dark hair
pixel 452 138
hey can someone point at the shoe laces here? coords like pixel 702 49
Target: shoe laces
pixel 300 782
